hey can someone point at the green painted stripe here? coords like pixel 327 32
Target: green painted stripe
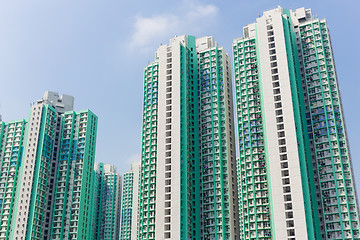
pixel 304 161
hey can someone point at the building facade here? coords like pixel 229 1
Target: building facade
pixel 36 173
pixel 187 176
pixel 294 168
pixel 108 204
pixel 129 203
pixel 47 164
pixel 12 135
pixel 73 202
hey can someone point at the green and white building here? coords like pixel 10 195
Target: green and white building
pixel 187 176
pixel 47 173
pixel 108 203
pixel 129 203
pixel 32 208
pixel 12 135
pixel 327 131
pixel 74 188
pixel 294 169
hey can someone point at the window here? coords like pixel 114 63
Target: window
pixel 272 58
pixel 291 232
pixel 288 206
pixel 284 164
pixel 289 215
pixel 286 189
pixel 275 77
pixel 281 134
pixel 276 84
pixel 290 223
pixel 285 173
pixel 286 181
pixel 287 198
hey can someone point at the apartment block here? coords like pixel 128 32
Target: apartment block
pixel 294 170
pixel 187 173
pixel 108 206
pixel 74 189
pixel 47 172
pixel 129 203
pixel 11 149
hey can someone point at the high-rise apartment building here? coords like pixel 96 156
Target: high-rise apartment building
pixel 61 104
pixel 73 202
pixel 108 203
pixel 129 203
pixel 33 205
pixel 187 177
pixel 337 199
pixel 294 169
pixel 46 184
pixel 12 135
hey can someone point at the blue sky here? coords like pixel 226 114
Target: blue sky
pixel 97 50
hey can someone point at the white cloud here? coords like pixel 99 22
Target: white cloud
pixel 201 11
pixel 147 29
pixel 193 18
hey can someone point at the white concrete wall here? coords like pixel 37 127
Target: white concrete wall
pixel 276 193
pixel 175 141
pixel 28 165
